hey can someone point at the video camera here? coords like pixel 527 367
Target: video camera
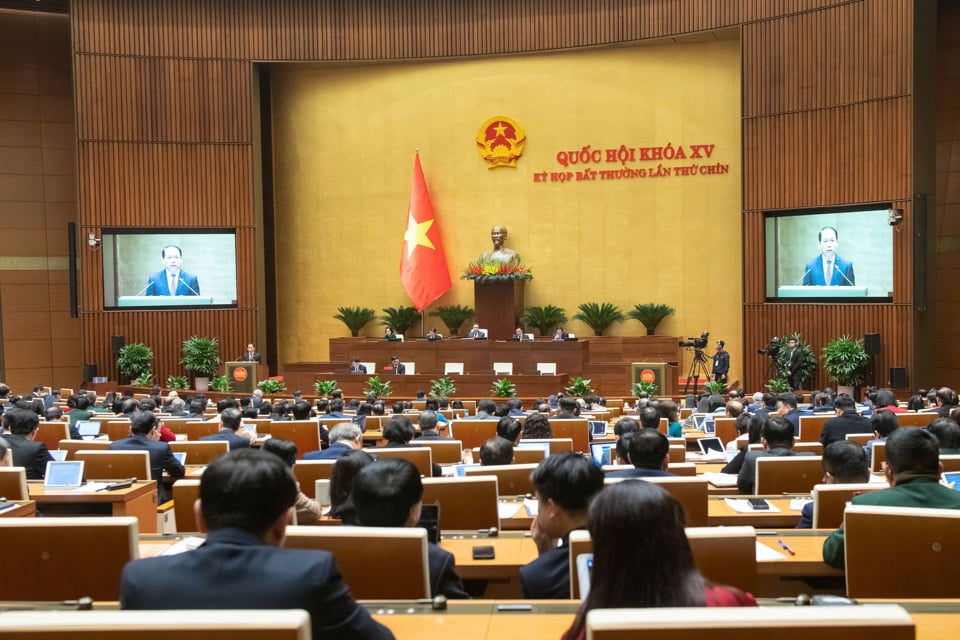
pixel 772 349
pixel 696 343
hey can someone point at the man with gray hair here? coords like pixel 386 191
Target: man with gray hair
pixel 229 424
pixel 344 437
pixel 428 427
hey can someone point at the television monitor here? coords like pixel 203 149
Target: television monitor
pixel 834 255
pixel 168 268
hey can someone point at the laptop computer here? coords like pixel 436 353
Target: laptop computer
pixel 710 444
pixel 63 475
pixel 598 429
pixel 459 470
pixel 545 446
pixel 603 452
pixel 181 456
pixel 88 429
pixel 59 455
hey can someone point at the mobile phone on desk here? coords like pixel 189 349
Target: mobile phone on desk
pixel 758 504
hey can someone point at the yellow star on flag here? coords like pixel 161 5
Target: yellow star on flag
pixel 417 234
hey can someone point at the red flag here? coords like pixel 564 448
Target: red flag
pixel 423 267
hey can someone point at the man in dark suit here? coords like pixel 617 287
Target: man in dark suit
pixel 721 363
pixel 145 436
pixel 946 401
pixel 648 451
pixel 428 427
pixel 569 409
pixel 229 424
pixel 792 365
pixel 27 452
pixel 246 500
pixel 565 483
pixel 829 269
pixel 496 451
pixel 344 437
pixel 846 422
pixel 844 462
pixel 389 493
pixel 356 367
pixel 396 365
pixel 787 408
pixel 777 440
pixel 250 355
pixel 172 280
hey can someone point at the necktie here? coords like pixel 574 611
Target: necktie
pixel 829 272
pixel 173 285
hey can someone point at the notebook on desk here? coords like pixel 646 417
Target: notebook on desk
pixel 63 475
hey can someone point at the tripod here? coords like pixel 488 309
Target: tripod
pixel 697 367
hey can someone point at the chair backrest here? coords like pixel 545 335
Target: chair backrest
pixel 201 452
pixel 724 555
pixel 950 462
pixel 51 433
pixel 547 368
pixel 13 483
pixel 829 501
pixel 877 622
pixel 788 474
pixel 473 433
pixel 503 368
pixel 683 468
pixel 925 544
pixel 443 451
pixel 576 430
pixel 512 479
pixel 115 465
pixel 922 419
pixel 278 624
pixel 527 456
pixel 811 447
pixel 465 503
pixel 65 558
pixel 410 367
pixel 725 429
pixel 72 446
pixel 176 425
pixel 185 493
pixel 420 456
pixel 197 429
pixel 878 455
pixel 811 426
pixel 691 493
pixel 307 472
pixel 452 367
pixel 116 430
pixel 557 445
pixel 860 438
pixel 678 453
pixel 303 433
pixel 379 563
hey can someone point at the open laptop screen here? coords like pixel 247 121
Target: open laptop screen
pixel 545 446
pixel 603 452
pixel 63 475
pixel 88 428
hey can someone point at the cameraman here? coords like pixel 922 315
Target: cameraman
pixel 721 363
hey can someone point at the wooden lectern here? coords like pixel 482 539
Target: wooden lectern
pixel 499 306
pixel 244 376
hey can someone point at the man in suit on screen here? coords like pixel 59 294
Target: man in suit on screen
pixel 829 269
pixel 172 280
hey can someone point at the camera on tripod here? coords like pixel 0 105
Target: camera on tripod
pixel 772 348
pixel 696 343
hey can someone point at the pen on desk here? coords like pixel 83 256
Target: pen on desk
pixel 783 545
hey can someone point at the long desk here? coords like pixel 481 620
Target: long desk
pixel 138 500
pixel 469 385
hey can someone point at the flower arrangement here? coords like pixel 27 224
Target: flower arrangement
pixel 494 270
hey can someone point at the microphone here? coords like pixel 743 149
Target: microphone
pixel 806 271
pixel 192 290
pixel 847 279
pixel 144 290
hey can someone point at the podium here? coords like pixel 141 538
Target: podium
pixel 243 376
pixel 499 306
pixel 163 301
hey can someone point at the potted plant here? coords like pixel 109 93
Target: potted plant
pixel 380 389
pixel 845 360
pixel 400 319
pixel 355 318
pixel 178 382
pixel 808 360
pixel 134 359
pixel 715 388
pixel 777 385
pixel 579 388
pixel 650 315
pixel 453 316
pixel 544 318
pixel 325 388
pixel 599 316
pixel 220 384
pixel 503 388
pixel 442 388
pixel 201 356
pixel 272 385
pixel 145 379
pixel 648 388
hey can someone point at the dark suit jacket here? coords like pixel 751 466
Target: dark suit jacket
pixel 842 273
pixel 431 435
pixel 30 454
pixel 236 442
pixel 234 570
pixel 548 577
pixel 361 368
pixel 806 516
pixel 158 284
pixel 161 459
pixel 400 368
pixel 637 472
pixel 250 357
pixel 843 425
pixel 332 452
pixel 443 574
